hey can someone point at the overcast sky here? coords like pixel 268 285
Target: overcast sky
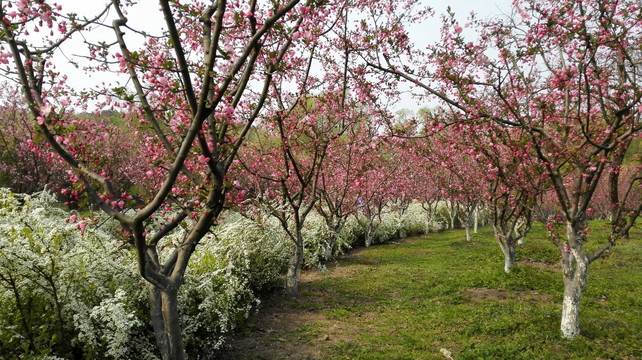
pixel 428 32
pixel 421 34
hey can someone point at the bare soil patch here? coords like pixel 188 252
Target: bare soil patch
pixel 482 294
pixel 539 264
pixel 267 336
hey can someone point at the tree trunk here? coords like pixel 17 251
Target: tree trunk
pixel 476 220
pixel 165 321
pixel 294 268
pixel 401 230
pixel 333 235
pixel 429 216
pixel 574 281
pixel 369 232
pixel 467 226
pixel 329 250
pixel 575 264
pixel 509 256
pixel 507 244
pixel 519 225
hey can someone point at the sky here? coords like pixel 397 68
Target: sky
pixel 428 32
pixel 140 17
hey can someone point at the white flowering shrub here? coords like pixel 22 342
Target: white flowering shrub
pixel 391 224
pixel 116 321
pixel 416 221
pixel 55 279
pixel 387 228
pixel 315 241
pixel 67 290
pixel 352 234
pixel 413 220
pixel 230 269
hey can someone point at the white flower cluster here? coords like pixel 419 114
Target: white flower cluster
pixel 225 275
pixel 116 322
pixel 55 279
pixel 394 223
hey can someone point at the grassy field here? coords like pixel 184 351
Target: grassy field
pixel 440 297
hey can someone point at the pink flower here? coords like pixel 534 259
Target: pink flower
pixel 5 57
pixel 45 110
pixel 203 160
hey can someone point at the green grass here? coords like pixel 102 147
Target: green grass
pixel 409 300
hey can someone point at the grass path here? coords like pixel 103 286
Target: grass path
pixel 437 296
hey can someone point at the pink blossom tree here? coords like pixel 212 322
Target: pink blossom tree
pixel 189 99
pixel 462 179
pixel 27 165
pixel 341 176
pixel 566 74
pixel 380 185
pixel 515 179
pixel 286 164
pixel 284 161
pixel 477 166
pixel 428 189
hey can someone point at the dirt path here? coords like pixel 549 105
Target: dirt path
pixel 293 329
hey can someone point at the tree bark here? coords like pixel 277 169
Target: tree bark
pixel 467 224
pixel 294 268
pixel 429 217
pixel 401 232
pixel 333 235
pixel 509 256
pixel 507 244
pixel 574 281
pixel 165 322
pixel 476 224
pixel 329 250
pixel 369 232
pixel 522 226
pixel 575 264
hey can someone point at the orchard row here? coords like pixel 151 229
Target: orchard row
pixel 283 110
